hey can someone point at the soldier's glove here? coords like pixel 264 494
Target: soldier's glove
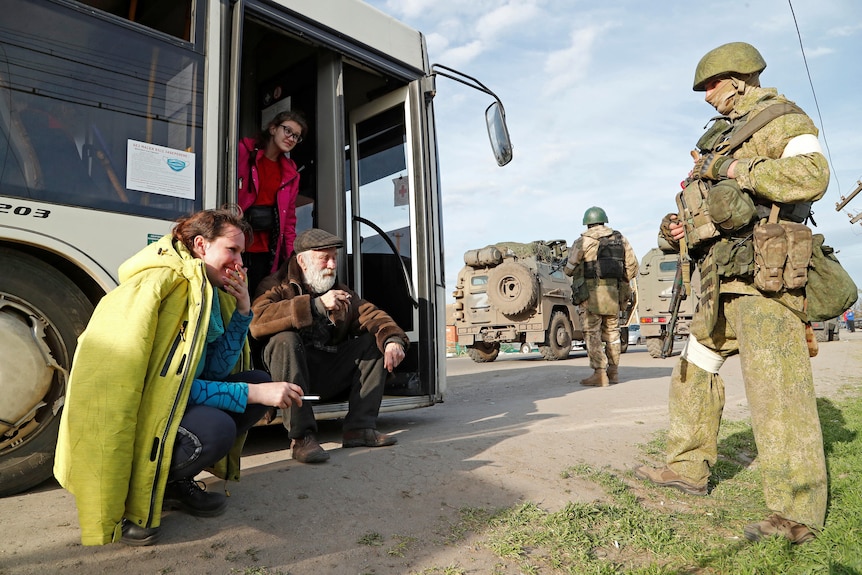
pixel 712 166
pixel 665 232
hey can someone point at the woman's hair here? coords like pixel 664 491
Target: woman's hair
pixel 210 224
pixel 280 118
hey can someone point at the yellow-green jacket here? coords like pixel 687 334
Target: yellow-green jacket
pixel 128 389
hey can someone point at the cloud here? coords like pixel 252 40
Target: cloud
pixel 566 67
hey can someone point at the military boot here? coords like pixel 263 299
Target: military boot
pixel 612 350
pixel 598 379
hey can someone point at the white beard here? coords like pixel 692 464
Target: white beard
pixel 320 281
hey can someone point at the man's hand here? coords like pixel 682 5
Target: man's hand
pixel 713 167
pixel 279 394
pixel 671 228
pixel 336 300
pixel 393 355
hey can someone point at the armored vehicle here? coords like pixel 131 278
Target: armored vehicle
pixel 517 293
pixel 655 287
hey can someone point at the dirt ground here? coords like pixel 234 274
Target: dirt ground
pixel 504 434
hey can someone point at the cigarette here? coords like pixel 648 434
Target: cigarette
pixel 310 397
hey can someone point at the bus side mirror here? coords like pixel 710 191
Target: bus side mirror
pixel 498 132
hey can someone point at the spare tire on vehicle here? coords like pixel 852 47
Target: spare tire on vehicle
pixel 512 288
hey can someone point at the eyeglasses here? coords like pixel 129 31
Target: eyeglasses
pixel 290 134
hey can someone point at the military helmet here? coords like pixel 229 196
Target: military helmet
pixel 595 215
pixel 733 58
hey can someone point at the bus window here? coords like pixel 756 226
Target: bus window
pixel 74 104
pixel 169 16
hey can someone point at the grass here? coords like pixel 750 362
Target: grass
pixel 640 529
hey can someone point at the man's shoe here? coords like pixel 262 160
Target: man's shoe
pixel 366 438
pixel 188 496
pixel 775 525
pixel 613 374
pixel 666 477
pixel 308 450
pixel 598 379
pixel 139 536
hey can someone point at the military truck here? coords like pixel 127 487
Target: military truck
pixel 517 293
pixel 655 287
pixel 826 330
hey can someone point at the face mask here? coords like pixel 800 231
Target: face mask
pixel 724 95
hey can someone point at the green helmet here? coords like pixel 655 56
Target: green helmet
pixel 734 58
pixel 595 215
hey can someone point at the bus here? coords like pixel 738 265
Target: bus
pixel 119 116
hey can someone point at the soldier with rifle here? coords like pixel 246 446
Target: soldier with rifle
pixel 756 172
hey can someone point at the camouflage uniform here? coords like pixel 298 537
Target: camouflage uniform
pixel 779 163
pixel 600 313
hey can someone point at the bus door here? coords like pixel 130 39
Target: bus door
pixel 386 239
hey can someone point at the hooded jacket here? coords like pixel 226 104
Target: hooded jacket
pixel 285 196
pixel 128 390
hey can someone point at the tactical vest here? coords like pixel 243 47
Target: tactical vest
pixel 610 260
pixel 724 137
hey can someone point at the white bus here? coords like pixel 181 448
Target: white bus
pixel 96 96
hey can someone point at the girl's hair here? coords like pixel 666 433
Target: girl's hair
pixel 280 118
pixel 210 224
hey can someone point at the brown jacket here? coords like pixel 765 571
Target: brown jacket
pixel 286 303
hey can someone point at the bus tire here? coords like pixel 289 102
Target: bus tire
pixel 512 288
pixel 559 341
pixel 33 289
pixel 481 352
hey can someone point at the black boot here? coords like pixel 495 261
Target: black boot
pixel 139 536
pixel 188 496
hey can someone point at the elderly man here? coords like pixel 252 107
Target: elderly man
pixel 326 339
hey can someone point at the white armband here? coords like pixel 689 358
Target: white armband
pixel 804 144
pixel 701 356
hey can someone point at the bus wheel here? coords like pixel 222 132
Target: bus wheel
pixel 42 313
pixel 559 342
pixel 482 352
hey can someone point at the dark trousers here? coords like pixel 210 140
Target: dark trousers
pixel 357 365
pixel 206 433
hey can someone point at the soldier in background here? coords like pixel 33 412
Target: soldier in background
pixel 601 264
pixel 781 165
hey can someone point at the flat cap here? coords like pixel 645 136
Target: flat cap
pixel 316 239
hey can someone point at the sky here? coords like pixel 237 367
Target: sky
pixel 600 108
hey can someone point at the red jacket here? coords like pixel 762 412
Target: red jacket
pixel 288 189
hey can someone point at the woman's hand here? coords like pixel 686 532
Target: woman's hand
pixel 281 394
pixel 235 284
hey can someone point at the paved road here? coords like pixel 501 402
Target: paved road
pixel 504 434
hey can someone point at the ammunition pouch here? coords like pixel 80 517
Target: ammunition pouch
pixel 729 207
pixel 782 252
pixel 694 213
pixel 733 257
pixel 580 291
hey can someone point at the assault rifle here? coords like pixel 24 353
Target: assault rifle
pixel 681 288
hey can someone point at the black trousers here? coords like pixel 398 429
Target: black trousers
pixel 357 365
pixel 206 433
